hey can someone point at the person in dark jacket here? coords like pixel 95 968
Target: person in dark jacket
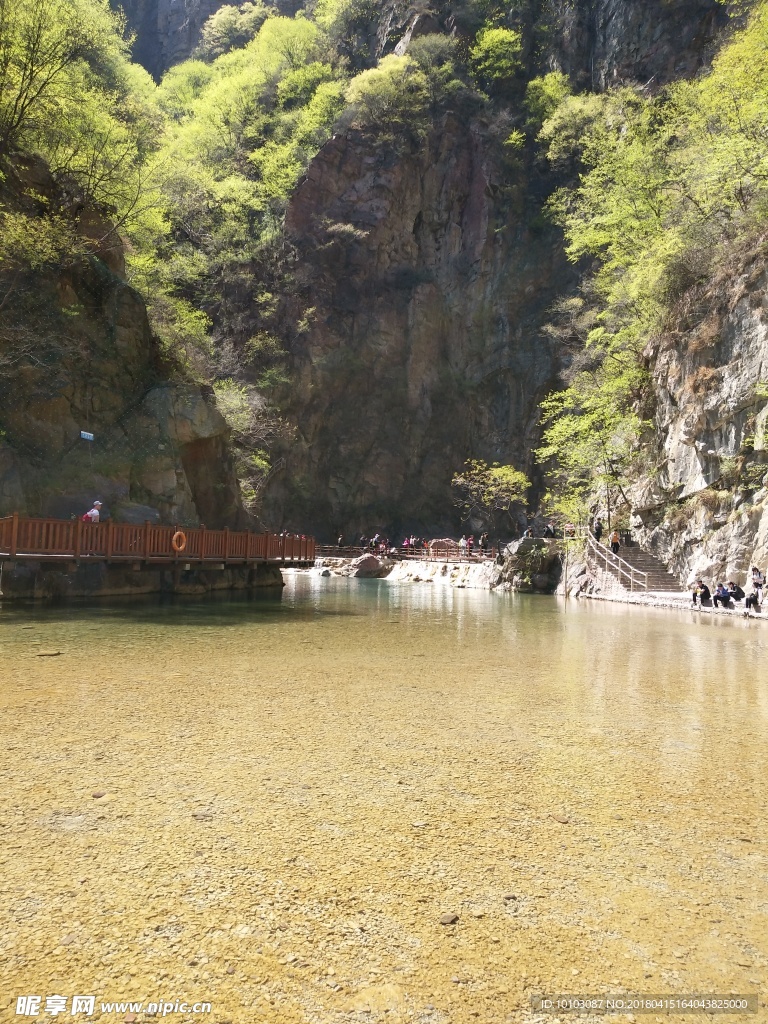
pixel 737 594
pixel 701 591
pixel 598 530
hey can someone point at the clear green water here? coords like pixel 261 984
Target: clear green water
pixel 307 782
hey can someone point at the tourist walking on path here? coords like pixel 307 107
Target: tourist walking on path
pixel 615 542
pixel 462 546
pixel 92 515
pixel 598 530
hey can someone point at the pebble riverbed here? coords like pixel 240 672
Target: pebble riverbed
pixel 374 803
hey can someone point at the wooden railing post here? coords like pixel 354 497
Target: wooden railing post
pixel 147 525
pixel 226 543
pixel 77 548
pixel 110 538
pixel 202 541
pixel 14 535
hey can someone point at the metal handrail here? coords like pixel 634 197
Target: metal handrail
pixel 619 565
pixel 441 553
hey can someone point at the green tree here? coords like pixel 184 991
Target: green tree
pixel 669 187
pixel 392 95
pixel 543 96
pixel 47 47
pixel 496 58
pixel 230 28
pixel 493 494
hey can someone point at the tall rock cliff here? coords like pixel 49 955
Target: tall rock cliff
pixel 603 42
pixel 427 285
pixel 705 508
pixel 423 270
pixel 77 354
pixel 430 272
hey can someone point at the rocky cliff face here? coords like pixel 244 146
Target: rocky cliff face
pixel 167 31
pixel 597 42
pixel 705 511
pixel 429 278
pixel 427 288
pixel 422 273
pixel 77 354
pixel 604 42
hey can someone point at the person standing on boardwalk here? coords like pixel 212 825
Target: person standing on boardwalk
pixel 615 542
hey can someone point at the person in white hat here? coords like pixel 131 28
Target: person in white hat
pixel 93 514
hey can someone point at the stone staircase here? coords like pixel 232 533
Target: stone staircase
pixel 660 579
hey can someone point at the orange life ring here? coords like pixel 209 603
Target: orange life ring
pixel 179 541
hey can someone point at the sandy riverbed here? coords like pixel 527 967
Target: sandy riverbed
pixel 296 794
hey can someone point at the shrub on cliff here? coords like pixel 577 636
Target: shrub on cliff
pixel 496 58
pixel 390 96
pixel 229 28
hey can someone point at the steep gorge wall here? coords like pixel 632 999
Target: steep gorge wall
pixel 428 287
pixel 705 509
pixel 603 42
pixel 430 274
pixel 427 270
pixel 596 42
pixel 77 353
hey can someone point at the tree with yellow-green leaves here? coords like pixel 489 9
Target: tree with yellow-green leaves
pixel 493 494
pixel 667 190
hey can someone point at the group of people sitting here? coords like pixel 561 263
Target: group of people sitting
pixel 726 595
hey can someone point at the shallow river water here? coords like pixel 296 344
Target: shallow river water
pixel 270 804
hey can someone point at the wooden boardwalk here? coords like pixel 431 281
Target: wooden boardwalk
pixel 64 540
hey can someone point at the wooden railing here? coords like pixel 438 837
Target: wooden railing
pixel 22 538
